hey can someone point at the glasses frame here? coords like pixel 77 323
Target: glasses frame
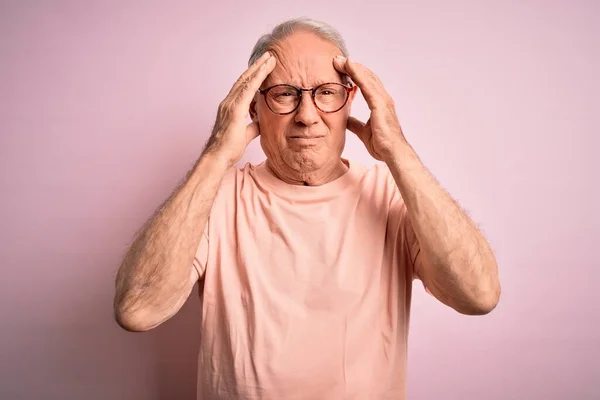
pixel 349 87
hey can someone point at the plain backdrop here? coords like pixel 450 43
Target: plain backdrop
pixel 104 106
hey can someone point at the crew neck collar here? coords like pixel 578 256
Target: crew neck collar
pixel 302 192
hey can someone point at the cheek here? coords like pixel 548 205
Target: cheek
pixel 337 124
pixel 272 128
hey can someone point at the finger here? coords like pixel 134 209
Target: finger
pixel 252 69
pixel 240 97
pixel 247 76
pixel 339 63
pixel 369 84
pixel 359 73
pixel 248 89
pixel 356 126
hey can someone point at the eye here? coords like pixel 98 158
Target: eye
pixel 329 90
pixel 283 92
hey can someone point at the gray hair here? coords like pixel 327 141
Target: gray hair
pixel 286 28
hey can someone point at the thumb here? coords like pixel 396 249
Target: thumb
pixel 252 131
pixel 339 62
pixel 356 126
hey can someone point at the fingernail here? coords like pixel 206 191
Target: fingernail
pixel 340 58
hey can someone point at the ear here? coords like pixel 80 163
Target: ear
pixel 353 93
pixel 351 96
pixel 252 110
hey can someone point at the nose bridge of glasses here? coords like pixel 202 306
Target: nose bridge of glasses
pixel 312 91
pixel 311 99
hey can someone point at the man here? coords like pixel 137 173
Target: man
pixel 305 261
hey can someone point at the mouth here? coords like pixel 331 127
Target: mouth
pixel 301 141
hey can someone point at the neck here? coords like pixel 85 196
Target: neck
pixel 321 176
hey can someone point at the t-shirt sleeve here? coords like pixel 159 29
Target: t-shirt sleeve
pixel 411 242
pixel 201 255
pixel 223 196
pixel 406 239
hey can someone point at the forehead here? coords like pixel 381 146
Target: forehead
pixel 304 59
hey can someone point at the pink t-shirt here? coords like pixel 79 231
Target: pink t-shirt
pixel 306 289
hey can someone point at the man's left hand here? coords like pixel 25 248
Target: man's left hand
pixel 381 133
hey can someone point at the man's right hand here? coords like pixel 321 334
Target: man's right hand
pixel 232 133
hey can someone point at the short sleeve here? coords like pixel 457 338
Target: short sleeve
pixel 201 256
pixel 411 242
pixel 406 239
pixel 413 248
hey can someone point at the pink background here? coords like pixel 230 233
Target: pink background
pixel 105 107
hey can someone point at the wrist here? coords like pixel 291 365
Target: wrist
pixel 218 161
pixel 217 156
pixel 401 153
pixel 211 165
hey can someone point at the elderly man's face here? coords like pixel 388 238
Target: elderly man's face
pixel 303 60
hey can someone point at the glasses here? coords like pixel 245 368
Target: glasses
pixel 327 97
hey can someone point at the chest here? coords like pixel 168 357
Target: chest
pixel 328 254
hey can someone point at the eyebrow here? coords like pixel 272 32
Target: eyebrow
pixel 317 82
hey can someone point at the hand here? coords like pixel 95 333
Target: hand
pixel 382 132
pixel 231 133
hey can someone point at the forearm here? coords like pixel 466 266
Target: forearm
pixel 458 264
pixel 156 275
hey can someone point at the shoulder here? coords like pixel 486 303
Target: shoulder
pixel 235 179
pixel 237 173
pixel 377 178
pixel 378 172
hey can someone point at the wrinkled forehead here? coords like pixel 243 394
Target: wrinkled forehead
pixel 304 60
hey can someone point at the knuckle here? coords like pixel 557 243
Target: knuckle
pixel 243 78
pixel 223 107
pixel 228 108
pixel 224 110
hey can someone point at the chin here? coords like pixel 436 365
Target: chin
pixel 308 161
pixel 303 161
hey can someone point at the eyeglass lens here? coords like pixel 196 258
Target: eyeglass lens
pixel 328 97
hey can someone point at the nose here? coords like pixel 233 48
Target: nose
pixel 307 114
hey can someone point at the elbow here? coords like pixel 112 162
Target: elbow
pixel 479 308
pixel 484 291
pixel 484 302
pixel 131 324
pixel 132 321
